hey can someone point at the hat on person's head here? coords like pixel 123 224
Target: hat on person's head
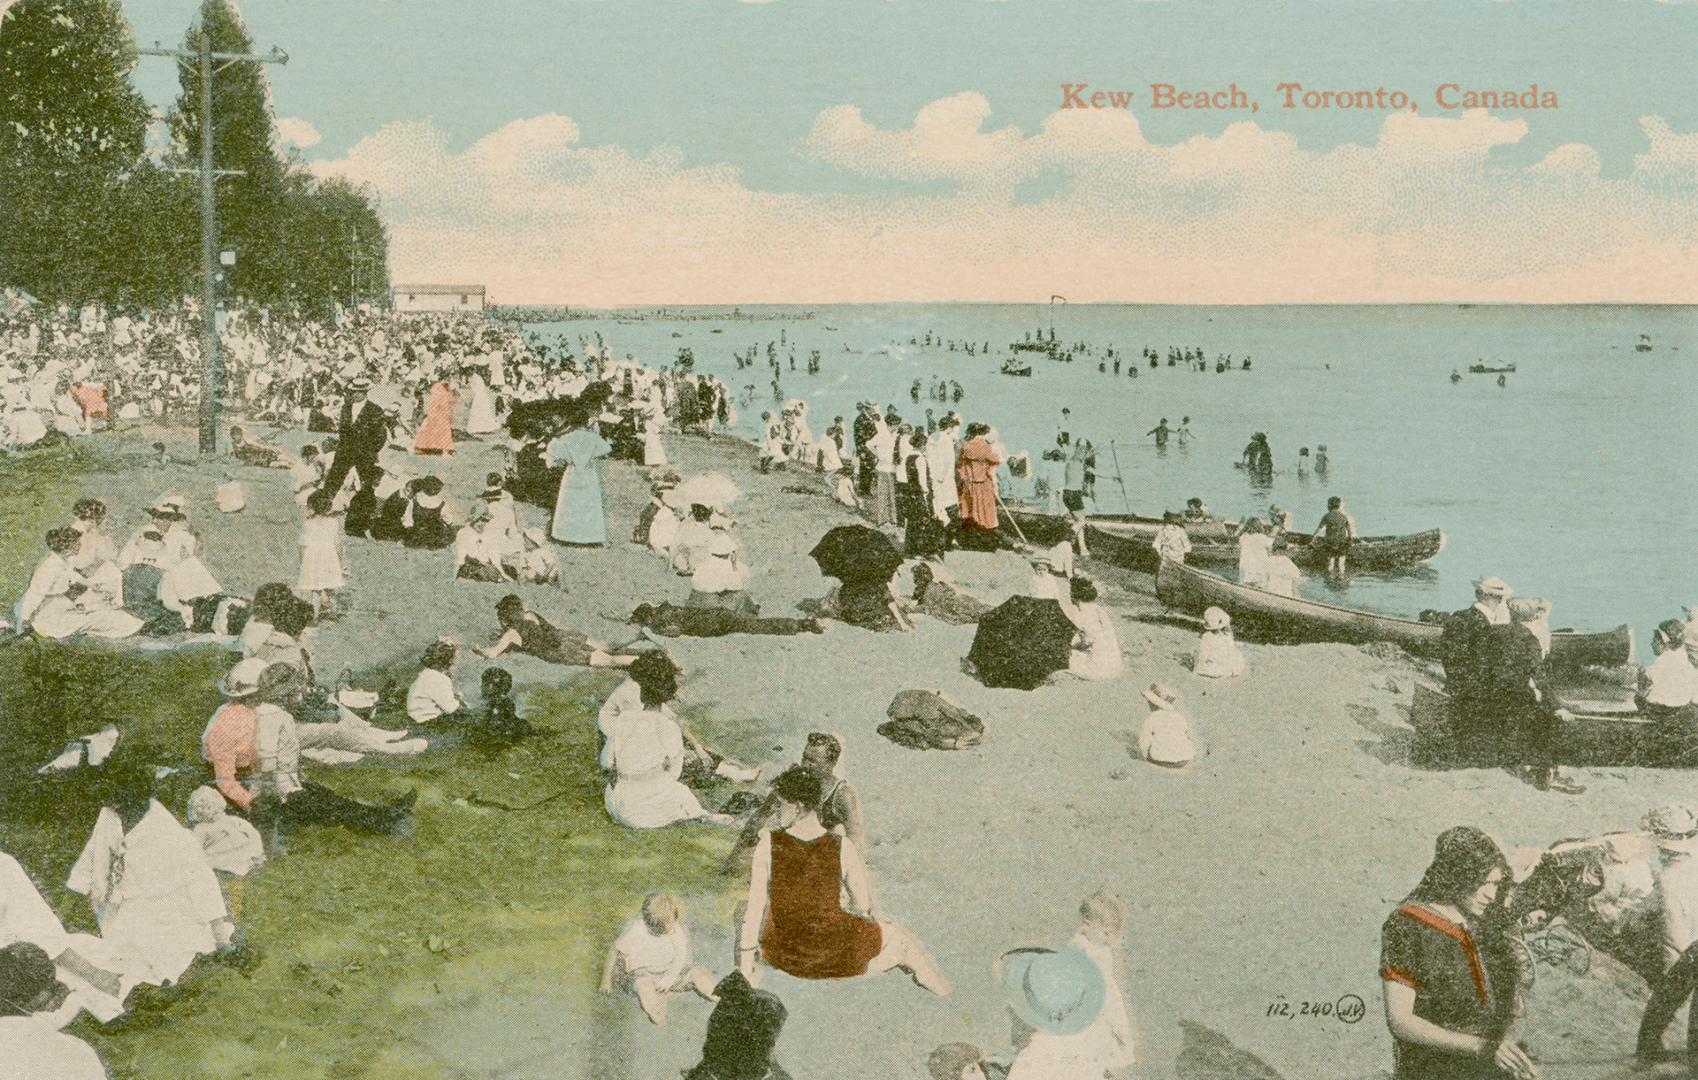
pixel 1060 991
pixel 359 384
pixel 1161 695
pixel 492 491
pixel 1216 619
pixel 1528 608
pixel 170 504
pixel 1673 827
pixel 1672 632
pixel 350 698
pixel 1493 586
pixel 243 680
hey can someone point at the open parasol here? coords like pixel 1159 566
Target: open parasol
pixel 856 553
pixel 709 489
pixel 1022 641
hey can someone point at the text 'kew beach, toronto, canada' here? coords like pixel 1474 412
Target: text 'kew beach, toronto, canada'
pixel 1295 95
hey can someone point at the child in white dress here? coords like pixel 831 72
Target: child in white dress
pixel 1166 738
pixel 1218 654
pixel 651 959
pixel 321 553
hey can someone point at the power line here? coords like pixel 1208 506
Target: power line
pixel 211 360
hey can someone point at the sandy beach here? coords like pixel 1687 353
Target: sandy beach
pixel 1261 874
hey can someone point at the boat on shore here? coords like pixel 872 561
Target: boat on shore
pixel 1265 616
pixel 1600 734
pixel 1482 369
pixel 1128 540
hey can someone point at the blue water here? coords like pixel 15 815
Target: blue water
pixel 1573 482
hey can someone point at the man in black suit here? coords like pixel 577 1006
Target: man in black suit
pixel 361 434
pixel 1527 707
pixel 1470 648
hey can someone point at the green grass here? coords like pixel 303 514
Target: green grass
pixel 362 944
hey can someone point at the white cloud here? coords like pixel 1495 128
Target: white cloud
pixel 294 131
pixel 1249 215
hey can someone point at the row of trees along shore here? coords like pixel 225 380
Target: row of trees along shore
pixel 89 213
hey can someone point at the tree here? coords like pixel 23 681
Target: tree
pixel 72 136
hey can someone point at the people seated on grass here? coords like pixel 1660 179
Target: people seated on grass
pixel 796 919
pixel 504 535
pixel 31 1044
pixel 651 758
pixel 742 1034
pixel 59 602
pixel 254 748
pixel 478 553
pixel 352 735
pixel 497 724
pixel 394 494
pixel 90 968
pixel 156 900
pixel 1166 735
pixel 231 846
pixel 839 806
pixel 719 573
pixel 286 643
pixel 268 600
pixel 97 556
pixel 538 565
pixel 525 631
pixel 256 452
pixel 658 523
pixel 424 523
pixel 432 695
pixel 1096 646
pixel 651 959
pixel 1219 655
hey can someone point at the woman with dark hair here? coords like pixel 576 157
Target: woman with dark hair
pixel 651 758
pixel 796 920
pixel 58 602
pixel 523 630
pixel 1096 648
pixel 942 600
pixel 741 1034
pixel 423 524
pixel 925 533
pixel 1451 977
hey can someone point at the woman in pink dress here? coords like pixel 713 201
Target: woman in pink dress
pixel 975 477
pixel 436 434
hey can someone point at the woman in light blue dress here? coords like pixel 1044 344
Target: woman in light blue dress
pixel 579 516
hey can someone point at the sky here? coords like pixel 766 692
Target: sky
pixel 815 151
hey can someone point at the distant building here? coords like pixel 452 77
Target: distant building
pixel 437 297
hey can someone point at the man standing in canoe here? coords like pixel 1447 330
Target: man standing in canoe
pixel 1335 534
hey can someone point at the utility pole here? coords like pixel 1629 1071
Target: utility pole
pixel 211 361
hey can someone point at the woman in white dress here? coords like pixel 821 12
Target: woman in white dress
pixel 652 416
pixel 480 417
pixel 321 553
pixel 54 606
pixel 1096 650
pixel 644 760
pixel 1254 547
pixel 1218 654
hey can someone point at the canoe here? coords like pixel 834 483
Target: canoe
pixel 1125 540
pixel 1601 734
pixel 1264 616
pixel 1210 546
pixel 1482 369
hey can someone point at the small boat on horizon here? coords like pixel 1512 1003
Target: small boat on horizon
pixel 1644 343
pixel 1014 367
pixel 1483 369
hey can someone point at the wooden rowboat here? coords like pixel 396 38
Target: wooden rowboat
pixel 1126 540
pixel 1482 369
pixel 1600 734
pixel 1264 616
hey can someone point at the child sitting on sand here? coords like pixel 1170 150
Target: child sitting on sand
pixel 231 845
pixel 651 959
pixel 1166 738
pixel 1218 654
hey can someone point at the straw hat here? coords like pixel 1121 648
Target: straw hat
pixel 350 698
pixel 1493 586
pixel 1058 991
pixel 1216 619
pixel 243 680
pixel 171 504
pixel 1673 827
pixel 1161 696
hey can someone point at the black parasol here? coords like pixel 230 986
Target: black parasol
pixel 857 553
pixel 1021 642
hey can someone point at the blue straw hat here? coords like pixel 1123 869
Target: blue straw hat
pixel 1058 991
